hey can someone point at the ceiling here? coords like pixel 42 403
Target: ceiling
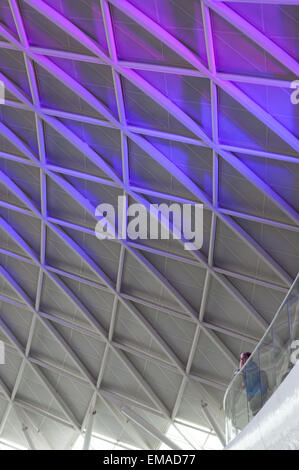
pixel 165 101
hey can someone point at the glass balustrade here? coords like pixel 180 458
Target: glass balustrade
pixel 268 365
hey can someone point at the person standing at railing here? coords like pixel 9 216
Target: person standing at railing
pixel 255 382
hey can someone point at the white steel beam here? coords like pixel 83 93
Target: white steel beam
pixel 211 421
pixel 148 427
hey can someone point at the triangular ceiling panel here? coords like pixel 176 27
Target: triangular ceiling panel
pixel 8 196
pixel 6 17
pixel 9 244
pixel 70 209
pixel 194 160
pixel 190 94
pixel 268 18
pixel 281 244
pixel 181 334
pixel 28 227
pixel 138 282
pixel 89 349
pixel 187 280
pixel 13 67
pixel 86 15
pixel 97 305
pixel 57 95
pixel 7 290
pixel 104 140
pixel 10 370
pixel 142 111
pixel 147 173
pixel 22 124
pixel 8 146
pixel 61 256
pixel 58 302
pixel 130 331
pixel 13 430
pixel 279 175
pixel 236 53
pixel 18 320
pixel 24 274
pixel 166 389
pixel 34 390
pixel 232 253
pixel 136 44
pixel 26 177
pixel 95 78
pixel 78 394
pixel 279 104
pixel 182 21
pixel 241 128
pixel 263 299
pixel 234 190
pixel 63 153
pixel 105 253
pixel 42 32
pixel 120 380
pixel 45 347
pixel 210 363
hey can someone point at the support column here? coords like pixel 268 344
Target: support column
pixel 25 428
pixel 88 432
pixel 133 416
pixel 28 437
pixel 212 422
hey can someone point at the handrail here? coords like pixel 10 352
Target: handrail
pixel 263 337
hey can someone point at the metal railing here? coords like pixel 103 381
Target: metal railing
pixel 269 364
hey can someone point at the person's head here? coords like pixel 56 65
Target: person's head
pixel 244 356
